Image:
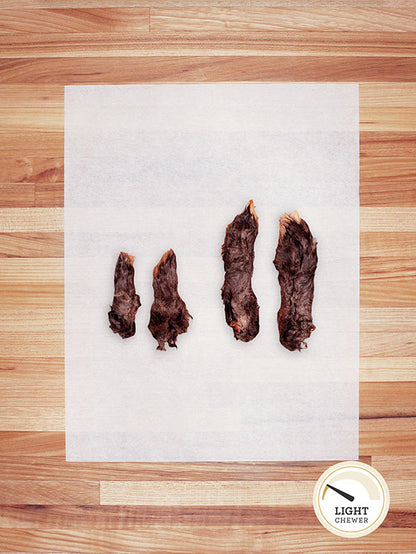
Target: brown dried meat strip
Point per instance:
(296, 260)
(168, 315)
(241, 308)
(125, 302)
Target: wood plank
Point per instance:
(31, 245)
(26, 467)
(24, 334)
(388, 118)
(27, 220)
(38, 296)
(32, 284)
(31, 143)
(402, 494)
(229, 493)
(387, 95)
(387, 320)
(32, 443)
(37, 343)
(33, 367)
(17, 195)
(34, 119)
(27, 195)
(32, 297)
(388, 400)
(159, 69)
(400, 518)
(393, 245)
(395, 468)
(32, 418)
(387, 172)
(29, 370)
(49, 492)
(49, 195)
(213, 493)
(30, 170)
(203, 540)
(44, 97)
(388, 437)
(129, 517)
(202, 19)
(35, 395)
(48, 272)
(31, 123)
(376, 219)
(381, 286)
(230, 43)
(378, 144)
(387, 369)
(380, 344)
(75, 20)
(380, 193)
(76, 4)
(27, 374)
(386, 268)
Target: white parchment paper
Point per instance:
(153, 167)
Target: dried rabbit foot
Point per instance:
(296, 260)
(168, 315)
(240, 302)
(125, 302)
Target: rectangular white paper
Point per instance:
(154, 167)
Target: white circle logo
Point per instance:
(351, 499)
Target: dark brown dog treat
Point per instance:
(168, 315)
(125, 302)
(296, 260)
(241, 308)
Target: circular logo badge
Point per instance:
(351, 499)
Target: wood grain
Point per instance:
(387, 436)
(203, 540)
(32, 443)
(387, 400)
(162, 69)
(214, 493)
(387, 368)
(281, 18)
(229, 493)
(95, 20)
(27, 516)
(401, 469)
(30, 171)
(53, 467)
(43, 4)
(31, 245)
(130, 43)
(32, 418)
(50, 505)
(49, 492)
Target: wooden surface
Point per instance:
(48, 505)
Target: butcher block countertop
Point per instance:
(48, 505)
